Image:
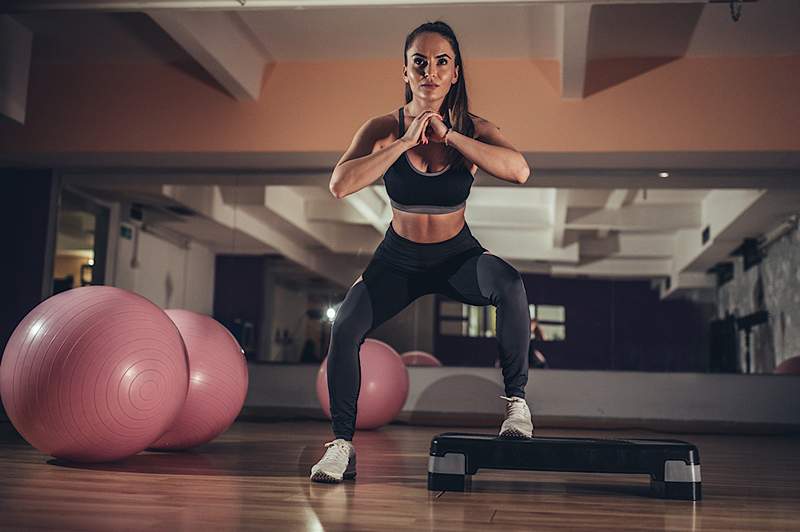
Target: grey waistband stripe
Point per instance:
(428, 209)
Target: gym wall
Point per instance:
(166, 273)
(772, 285)
(28, 233)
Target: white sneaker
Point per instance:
(338, 463)
(518, 422)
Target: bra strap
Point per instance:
(402, 123)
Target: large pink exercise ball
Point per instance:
(790, 366)
(384, 385)
(94, 374)
(419, 358)
(217, 382)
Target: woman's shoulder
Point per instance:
(479, 121)
(482, 125)
(381, 122)
(386, 127)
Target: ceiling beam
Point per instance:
(337, 237)
(659, 218)
(730, 216)
(617, 268)
(372, 207)
(560, 205)
(572, 42)
(680, 283)
(511, 217)
(616, 199)
(322, 210)
(208, 202)
(525, 244)
(721, 208)
(15, 65)
(222, 45)
(625, 245)
(244, 195)
(284, 201)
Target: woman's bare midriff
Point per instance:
(427, 228)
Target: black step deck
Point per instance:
(673, 465)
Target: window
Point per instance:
(458, 319)
(552, 321)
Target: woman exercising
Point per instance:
(427, 152)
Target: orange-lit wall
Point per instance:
(634, 105)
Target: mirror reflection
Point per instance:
(607, 298)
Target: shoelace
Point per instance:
(515, 406)
(340, 452)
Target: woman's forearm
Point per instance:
(503, 163)
(351, 176)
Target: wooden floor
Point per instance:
(256, 477)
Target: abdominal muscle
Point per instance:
(427, 228)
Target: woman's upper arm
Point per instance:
(364, 140)
(490, 134)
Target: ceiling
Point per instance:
(496, 31)
(639, 227)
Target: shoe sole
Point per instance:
(513, 434)
(321, 476)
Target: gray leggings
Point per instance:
(403, 271)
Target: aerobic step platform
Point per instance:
(673, 465)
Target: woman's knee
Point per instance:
(513, 289)
(505, 281)
(348, 329)
(352, 321)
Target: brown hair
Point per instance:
(456, 101)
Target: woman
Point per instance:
(535, 357)
(428, 152)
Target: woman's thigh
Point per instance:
(477, 279)
(462, 284)
(391, 290)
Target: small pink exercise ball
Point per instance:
(419, 358)
(790, 366)
(94, 374)
(384, 385)
(217, 382)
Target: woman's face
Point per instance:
(431, 67)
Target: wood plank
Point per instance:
(255, 476)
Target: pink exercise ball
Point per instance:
(94, 374)
(217, 382)
(419, 358)
(790, 366)
(384, 385)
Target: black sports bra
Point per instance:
(426, 192)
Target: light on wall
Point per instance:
(663, 174)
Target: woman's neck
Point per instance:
(414, 108)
